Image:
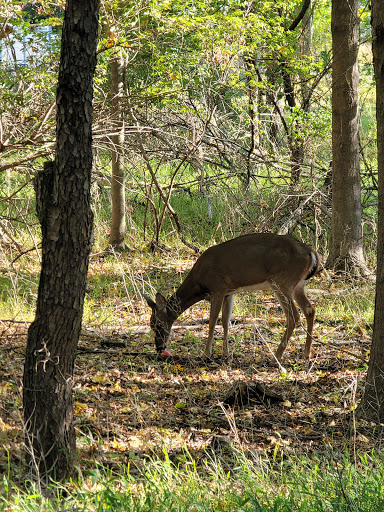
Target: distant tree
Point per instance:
(118, 224)
(63, 206)
(372, 404)
(296, 139)
(346, 249)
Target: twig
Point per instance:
(25, 252)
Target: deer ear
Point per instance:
(150, 302)
(161, 302)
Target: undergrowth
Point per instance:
(307, 485)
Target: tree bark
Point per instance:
(118, 224)
(346, 248)
(372, 404)
(63, 204)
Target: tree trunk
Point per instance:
(372, 404)
(254, 135)
(118, 224)
(295, 140)
(63, 206)
(346, 249)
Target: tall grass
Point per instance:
(319, 485)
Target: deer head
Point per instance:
(164, 313)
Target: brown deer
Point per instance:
(258, 261)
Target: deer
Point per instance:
(257, 261)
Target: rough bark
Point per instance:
(372, 404)
(346, 248)
(63, 206)
(118, 224)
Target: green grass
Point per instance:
(18, 293)
(307, 485)
(348, 302)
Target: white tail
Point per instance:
(258, 261)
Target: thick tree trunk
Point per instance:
(372, 404)
(64, 210)
(118, 224)
(346, 250)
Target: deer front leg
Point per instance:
(216, 303)
(310, 316)
(227, 314)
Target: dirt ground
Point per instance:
(130, 404)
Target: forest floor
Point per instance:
(131, 404)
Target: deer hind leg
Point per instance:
(309, 313)
(292, 316)
(227, 313)
(216, 303)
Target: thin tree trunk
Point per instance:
(295, 139)
(118, 224)
(346, 250)
(63, 204)
(372, 404)
(253, 97)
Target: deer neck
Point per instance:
(186, 295)
(174, 307)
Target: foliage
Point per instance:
(221, 99)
